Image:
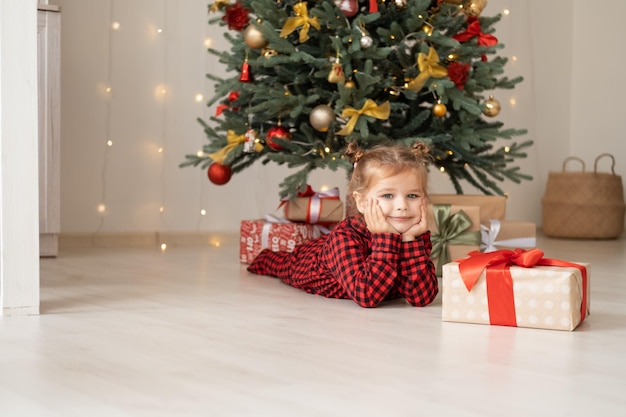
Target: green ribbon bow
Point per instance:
(452, 231)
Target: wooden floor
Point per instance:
(188, 332)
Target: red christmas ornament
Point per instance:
(348, 7)
(245, 76)
(236, 17)
(276, 132)
(219, 174)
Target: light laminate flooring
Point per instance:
(188, 332)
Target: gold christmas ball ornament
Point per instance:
(322, 117)
(440, 109)
(475, 7)
(492, 107)
(349, 84)
(254, 38)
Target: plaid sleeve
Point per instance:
(366, 274)
(418, 281)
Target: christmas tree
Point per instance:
(310, 77)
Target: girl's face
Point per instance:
(400, 197)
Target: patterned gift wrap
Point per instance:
(551, 296)
(256, 235)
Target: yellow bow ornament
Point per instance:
(218, 4)
(370, 108)
(302, 19)
(233, 140)
(429, 67)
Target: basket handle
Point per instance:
(595, 165)
(573, 158)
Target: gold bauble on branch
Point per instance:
(475, 7)
(322, 117)
(492, 107)
(440, 109)
(254, 38)
(349, 84)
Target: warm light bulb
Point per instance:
(507, 149)
(200, 154)
(506, 12)
(109, 142)
(203, 212)
(159, 31)
(513, 102)
(115, 26)
(216, 243)
(514, 58)
(199, 98)
(442, 169)
(101, 208)
(160, 150)
(161, 209)
(163, 247)
(327, 149)
(208, 42)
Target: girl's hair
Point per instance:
(383, 161)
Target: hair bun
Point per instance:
(354, 152)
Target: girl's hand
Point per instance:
(418, 228)
(375, 219)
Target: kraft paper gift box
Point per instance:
(505, 234)
(314, 207)
(455, 231)
(552, 294)
(256, 235)
(491, 206)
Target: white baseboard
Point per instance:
(145, 239)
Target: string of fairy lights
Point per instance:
(159, 33)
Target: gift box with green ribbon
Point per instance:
(455, 231)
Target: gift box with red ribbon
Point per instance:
(275, 234)
(516, 288)
(314, 207)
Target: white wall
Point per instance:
(19, 224)
(569, 96)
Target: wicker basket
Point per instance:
(584, 205)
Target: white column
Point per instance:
(19, 210)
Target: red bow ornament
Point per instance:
(473, 30)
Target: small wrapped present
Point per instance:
(455, 231)
(507, 234)
(491, 206)
(516, 288)
(275, 234)
(314, 207)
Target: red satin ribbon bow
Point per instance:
(500, 297)
(474, 30)
(232, 96)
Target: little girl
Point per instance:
(380, 253)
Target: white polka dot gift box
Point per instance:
(516, 288)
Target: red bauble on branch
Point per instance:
(219, 174)
(276, 132)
